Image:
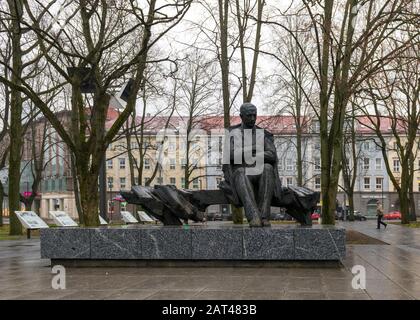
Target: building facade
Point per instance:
(160, 153)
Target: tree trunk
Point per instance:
(1, 203)
(404, 207)
(299, 156)
(351, 205)
(76, 190)
(412, 209)
(89, 200)
(16, 129)
(327, 215)
(37, 208)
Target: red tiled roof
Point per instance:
(278, 124)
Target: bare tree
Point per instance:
(394, 95)
(294, 89)
(345, 57)
(87, 40)
(350, 159)
(196, 101)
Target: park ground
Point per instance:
(391, 258)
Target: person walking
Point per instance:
(380, 214)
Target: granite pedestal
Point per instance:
(139, 244)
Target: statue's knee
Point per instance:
(268, 168)
(239, 171)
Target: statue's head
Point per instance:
(248, 113)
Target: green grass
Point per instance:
(4, 233)
(410, 225)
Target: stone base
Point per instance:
(121, 263)
(194, 243)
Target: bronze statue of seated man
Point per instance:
(253, 167)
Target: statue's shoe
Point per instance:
(256, 222)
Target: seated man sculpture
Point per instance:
(253, 182)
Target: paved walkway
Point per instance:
(392, 272)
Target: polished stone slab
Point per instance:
(65, 243)
(107, 243)
(191, 243)
(322, 243)
(211, 244)
(268, 244)
(166, 243)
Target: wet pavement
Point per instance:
(392, 272)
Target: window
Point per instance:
(196, 183)
(159, 180)
(317, 164)
(122, 183)
(378, 165)
(317, 146)
(136, 181)
(366, 183)
(121, 146)
(146, 179)
(366, 163)
(280, 164)
(172, 164)
(396, 165)
(172, 181)
(122, 163)
(289, 182)
(146, 164)
(218, 180)
(183, 163)
(366, 146)
(378, 147)
(182, 182)
(379, 183)
(109, 163)
(289, 165)
(110, 182)
(316, 126)
(171, 146)
(318, 183)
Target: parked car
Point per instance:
(277, 216)
(393, 215)
(359, 216)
